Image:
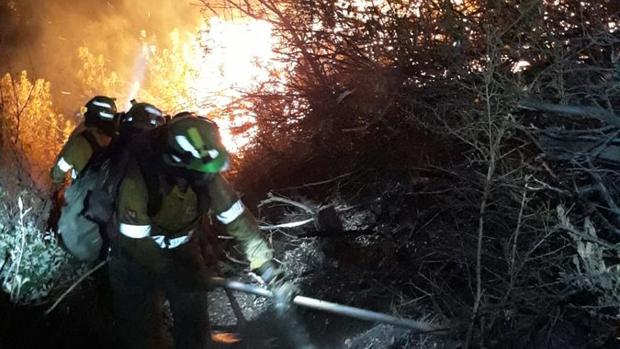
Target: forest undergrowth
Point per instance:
(456, 161)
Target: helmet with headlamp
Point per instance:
(194, 143)
(142, 116)
(100, 113)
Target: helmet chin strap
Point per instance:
(182, 183)
(200, 178)
(183, 176)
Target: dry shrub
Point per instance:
(33, 266)
(32, 133)
(596, 267)
(95, 77)
(367, 78)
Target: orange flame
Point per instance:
(225, 337)
(206, 72)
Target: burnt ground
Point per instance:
(360, 253)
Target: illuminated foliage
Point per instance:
(30, 127)
(95, 77)
(210, 73)
(168, 71)
(207, 71)
(35, 264)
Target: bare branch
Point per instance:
(576, 110)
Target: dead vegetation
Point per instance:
(497, 123)
(464, 156)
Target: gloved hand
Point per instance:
(282, 287)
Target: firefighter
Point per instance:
(140, 117)
(89, 205)
(94, 133)
(166, 194)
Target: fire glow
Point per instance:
(209, 69)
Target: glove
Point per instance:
(281, 287)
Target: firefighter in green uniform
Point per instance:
(166, 192)
(81, 238)
(94, 133)
(89, 201)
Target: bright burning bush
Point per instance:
(208, 71)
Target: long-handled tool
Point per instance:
(329, 307)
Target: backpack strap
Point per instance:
(92, 140)
(203, 197)
(157, 186)
(143, 149)
(153, 186)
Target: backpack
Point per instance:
(89, 203)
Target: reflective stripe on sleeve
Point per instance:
(135, 231)
(232, 213)
(63, 165)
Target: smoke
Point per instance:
(139, 70)
(43, 37)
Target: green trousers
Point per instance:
(138, 293)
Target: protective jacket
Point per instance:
(159, 248)
(75, 154)
(159, 242)
(150, 228)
